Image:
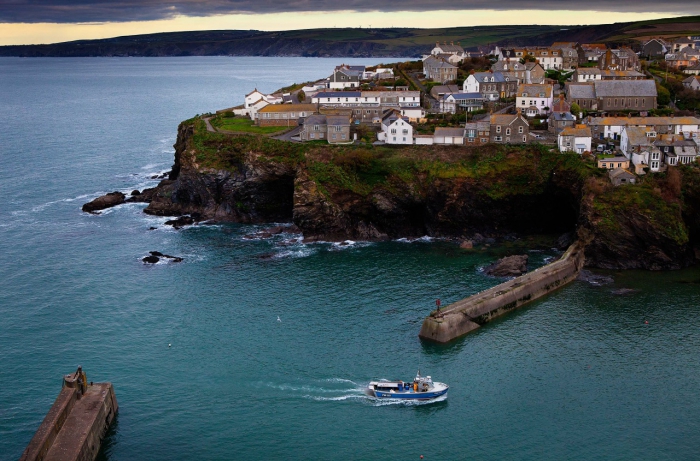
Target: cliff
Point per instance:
(372, 193)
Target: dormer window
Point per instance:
(524, 95)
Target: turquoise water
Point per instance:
(578, 375)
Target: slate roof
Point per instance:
(625, 88)
(588, 71)
(338, 94)
(563, 116)
(504, 119)
(500, 66)
(498, 77)
(450, 48)
(315, 120)
(463, 96)
(620, 172)
(338, 120)
(535, 91)
(621, 73)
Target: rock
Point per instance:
(264, 235)
(152, 228)
(180, 222)
(157, 253)
(466, 245)
(594, 279)
(477, 238)
(266, 256)
(509, 266)
(157, 256)
(145, 196)
(275, 230)
(565, 241)
(106, 201)
(489, 241)
(151, 259)
(175, 259)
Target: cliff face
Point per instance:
(336, 193)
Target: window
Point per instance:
(394, 138)
(404, 138)
(524, 138)
(312, 135)
(655, 156)
(498, 128)
(405, 131)
(604, 165)
(507, 131)
(393, 131)
(321, 135)
(338, 128)
(334, 135)
(654, 165)
(497, 138)
(520, 129)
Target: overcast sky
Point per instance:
(47, 21)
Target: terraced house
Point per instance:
(492, 85)
(508, 129)
(534, 100)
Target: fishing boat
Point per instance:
(421, 388)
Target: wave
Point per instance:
(425, 238)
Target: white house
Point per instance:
(611, 127)
(256, 100)
(414, 114)
(534, 100)
(587, 74)
(396, 129)
(575, 139)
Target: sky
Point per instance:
(51, 21)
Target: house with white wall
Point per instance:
(395, 129)
(575, 139)
(533, 100)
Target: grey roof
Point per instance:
(450, 48)
(500, 66)
(338, 94)
(463, 96)
(588, 71)
(338, 120)
(563, 117)
(315, 120)
(498, 77)
(617, 172)
(582, 91)
(437, 63)
(447, 131)
(625, 88)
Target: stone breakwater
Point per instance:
(467, 315)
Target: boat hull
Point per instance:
(410, 395)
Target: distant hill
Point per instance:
(390, 42)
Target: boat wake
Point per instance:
(341, 390)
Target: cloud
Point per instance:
(85, 11)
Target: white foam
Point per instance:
(425, 238)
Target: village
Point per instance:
(632, 109)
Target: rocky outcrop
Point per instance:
(106, 201)
(510, 266)
(347, 193)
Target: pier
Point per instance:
(467, 315)
(77, 422)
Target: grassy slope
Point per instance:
(386, 42)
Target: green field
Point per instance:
(244, 125)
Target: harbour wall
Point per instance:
(467, 315)
(75, 425)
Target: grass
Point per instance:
(244, 125)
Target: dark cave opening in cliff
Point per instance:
(277, 199)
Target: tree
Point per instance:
(400, 82)
(575, 109)
(301, 96)
(664, 96)
(529, 58)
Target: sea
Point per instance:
(259, 349)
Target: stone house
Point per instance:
(517, 72)
(508, 128)
(492, 85)
(534, 100)
(582, 94)
(620, 176)
(438, 91)
(591, 52)
(619, 59)
(338, 129)
(569, 54)
(477, 133)
(315, 128)
(559, 120)
(626, 95)
(439, 70)
(284, 114)
(621, 75)
(575, 139)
